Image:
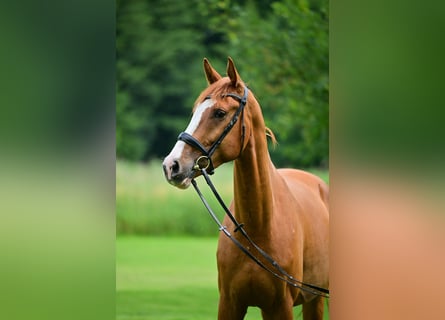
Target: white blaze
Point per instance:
(176, 152)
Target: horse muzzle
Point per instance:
(177, 173)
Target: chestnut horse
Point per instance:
(284, 211)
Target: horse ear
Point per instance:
(232, 72)
(211, 74)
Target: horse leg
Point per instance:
(313, 310)
(230, 310)
(283, 312)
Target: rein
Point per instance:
(280, 273)
(203, 163)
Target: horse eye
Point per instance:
(219, 114)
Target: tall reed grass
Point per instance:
(147, 204)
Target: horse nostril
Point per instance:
(175, 167)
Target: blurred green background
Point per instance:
(147, 205)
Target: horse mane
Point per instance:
(271, 135)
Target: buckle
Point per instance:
(203, 162)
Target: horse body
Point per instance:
(284, 211)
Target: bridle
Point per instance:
(203, 163)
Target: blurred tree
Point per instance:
(160, 45)
(280, 48)
(282, 52)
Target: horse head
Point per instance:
(218, 130)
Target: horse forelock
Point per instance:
(218, 89)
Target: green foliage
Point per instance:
(283, 55)
(156, 41)
(279, 47)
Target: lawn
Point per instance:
(168, 278)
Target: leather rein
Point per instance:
(205, 162)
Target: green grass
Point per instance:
(166, 278)
(147, 205)
(173, 278)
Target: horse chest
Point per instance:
(245, 280)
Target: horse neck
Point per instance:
(253, 174)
